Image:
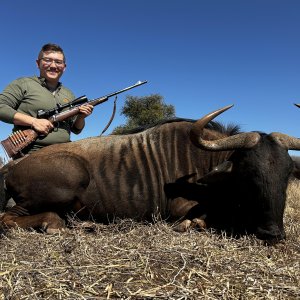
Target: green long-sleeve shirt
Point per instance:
(27, 95)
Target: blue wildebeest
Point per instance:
(180, 169)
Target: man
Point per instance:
(22, 98)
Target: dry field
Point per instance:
(129, 260)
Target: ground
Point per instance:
(128, 260)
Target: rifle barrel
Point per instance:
(126, 89)
(105, 98)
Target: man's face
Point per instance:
(51, 66)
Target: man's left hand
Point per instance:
(85, 110)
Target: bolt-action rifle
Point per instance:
(20, 139)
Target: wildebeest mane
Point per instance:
(229, 129)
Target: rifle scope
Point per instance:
(48, 113)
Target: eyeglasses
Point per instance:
(48, 61)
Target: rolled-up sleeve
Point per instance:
(9, 101)
(74, 129)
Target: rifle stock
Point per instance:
(16, 142)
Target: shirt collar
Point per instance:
(42, 80)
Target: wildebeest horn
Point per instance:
(241, 140)
(286, 141)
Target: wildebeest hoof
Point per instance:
(183, 226)
(88, 226)
(53, 224)
(54, 230)
(198, 223)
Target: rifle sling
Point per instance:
(112, 116)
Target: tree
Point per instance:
(144, 111)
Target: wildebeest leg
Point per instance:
(194, 223)
(4, 196)
(18, 217)
(192, 213)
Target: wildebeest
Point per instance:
(178, 169)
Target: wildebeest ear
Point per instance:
(218, 173)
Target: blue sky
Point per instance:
(199, 55)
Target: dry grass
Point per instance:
(129, 260)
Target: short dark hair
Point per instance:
(49, 48)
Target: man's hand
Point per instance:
(42, 126)
(85, 110)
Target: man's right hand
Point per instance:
(42, 126)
